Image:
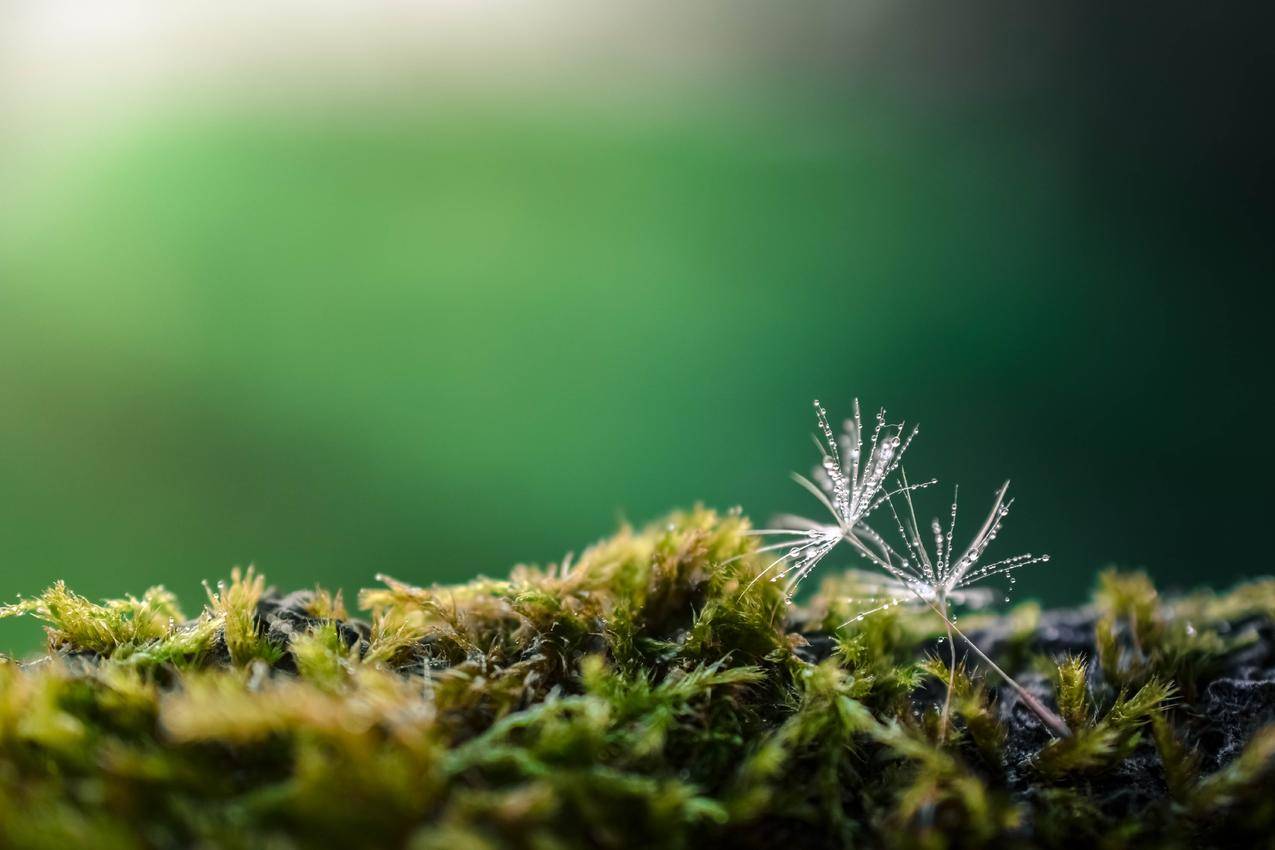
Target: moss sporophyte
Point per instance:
(660, 690)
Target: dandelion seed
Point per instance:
(936, 578)
(850, 485)
(939, 577)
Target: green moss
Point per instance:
(114, 628)
(647, 694)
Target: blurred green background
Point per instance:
(439, 321)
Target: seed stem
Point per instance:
(1052, 721)
(951, 671)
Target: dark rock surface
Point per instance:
(1231, 710)
(283, 616)
(1234, 702)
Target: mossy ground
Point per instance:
(636, 697)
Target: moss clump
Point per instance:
(638, 697)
